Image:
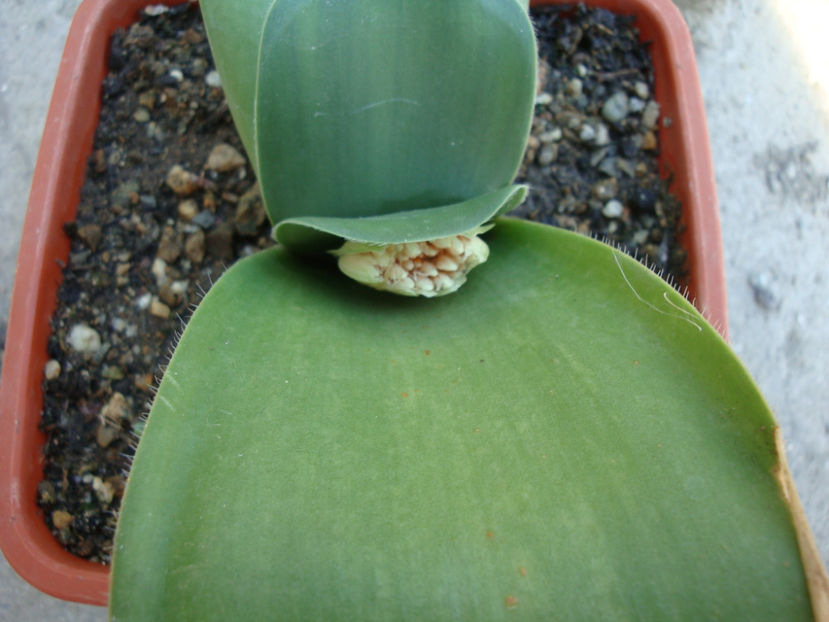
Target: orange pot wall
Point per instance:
(59, 172)
(67, 142)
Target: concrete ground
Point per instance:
(766, 89)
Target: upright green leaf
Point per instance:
(565, 439)
(373, 107)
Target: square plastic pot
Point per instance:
(67, 143)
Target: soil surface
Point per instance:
(170, 201)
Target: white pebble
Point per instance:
(587, 133)
(613, 209)
(84, 339)
(636, 104)
(650, 115)
(616, 107)
(602, 135)
(51, 370)
(641, 89)
(212, 79)
(159, 270)
(542, 99)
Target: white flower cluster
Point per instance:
(432, 268)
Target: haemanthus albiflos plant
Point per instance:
(565, 437)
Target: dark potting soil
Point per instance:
(170, 201)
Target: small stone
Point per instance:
(188, 209)
(605, 189)
(106, 434)
(159, 271)
(159, 309)
(176, 74)
(649, 142)
(61, 519)
(112, 372)
(103, 490)
(194, 247)
(219, 242)
(552, 136)
(574, 87)
(173, 294)
(143, 301)
(84, 339)
(155, 131)
(608, 167)
(168, 247)
(198, 67)
(182, 181)
(641, 89)
(547, 155)
(141, 114)
(650, 115)
(613, 209)
(204, 219)
(90, 235)
(640, 237)
(250, 212)
(636, 104)
(587, 133)
(581, 70)
(147, 100)
(99, 161)
(192, 36)
(602, 135)
(116, 408)
(46, 492)
(616, 107)
(223, 158)
(542, 99)
(51, 370)
(119, 325)
(624, 166)
(598, 156)
(212, 79)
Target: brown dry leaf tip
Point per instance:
(431, 268)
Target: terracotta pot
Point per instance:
(67, 142)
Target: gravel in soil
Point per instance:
(170, 201)
(592, 157)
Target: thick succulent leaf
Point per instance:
(564, 439)
(234, 30)
(370, 107)
(314, 234)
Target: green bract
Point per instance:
(377, 107)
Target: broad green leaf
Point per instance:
(314, 234)
(565, 439)
(234, 30)
(374, 107)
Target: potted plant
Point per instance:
(624, 274)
